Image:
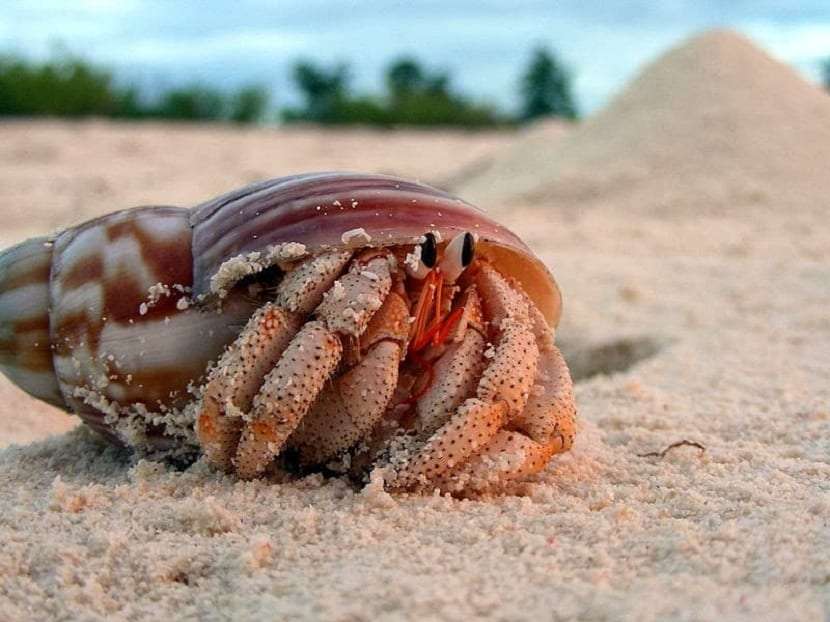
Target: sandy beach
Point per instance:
(695, 310)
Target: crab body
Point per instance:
(341, 320)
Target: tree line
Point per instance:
(413, 95)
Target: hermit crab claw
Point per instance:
(331, 320)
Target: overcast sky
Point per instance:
(484, 43)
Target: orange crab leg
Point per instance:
(440, 328)
(438, 334)
(447, 325)
(423, 340)
(439, 292)
(423, 306)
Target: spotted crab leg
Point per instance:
(501, 393)
(237, 377)
(550, 415)
(310, 358)
(348, 408)
(457, 371)
(544, 428)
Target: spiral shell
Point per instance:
(80, 330)
(114, 313)
(25, 342)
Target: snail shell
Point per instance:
(25, 343)
(317, 209)
(114, 313)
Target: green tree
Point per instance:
(323, 90)
(418, 96)
(546, 88)
(129, 105)
(414, 96)
(67, 86)
(64, 86)
(192, 103)
(249, 105)
(825, 73)
(405, 77)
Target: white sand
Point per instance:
(55, 174)
(733, 309)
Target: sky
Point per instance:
(483, 43)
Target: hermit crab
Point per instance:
(332, 321)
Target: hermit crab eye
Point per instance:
(458, 255)
(423, 258)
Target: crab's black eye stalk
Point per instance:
(423, 258)
(429, 250)
(468, 249)
(459, 254)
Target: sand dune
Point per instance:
(710, 329)
(714, 126)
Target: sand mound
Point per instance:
(515, 167)
(712, 125)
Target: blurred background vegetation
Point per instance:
(414, 95)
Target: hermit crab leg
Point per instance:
(456, 372)
(510, 374)
(543, 429)
(510, 455)
(501, 392)
(304, 287)
(550, 415)
(312, 356)
(348, 408)
(285, 396)
(238, 376)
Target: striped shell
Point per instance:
(117, 313)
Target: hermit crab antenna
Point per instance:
(423, 257)
(457, 256)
